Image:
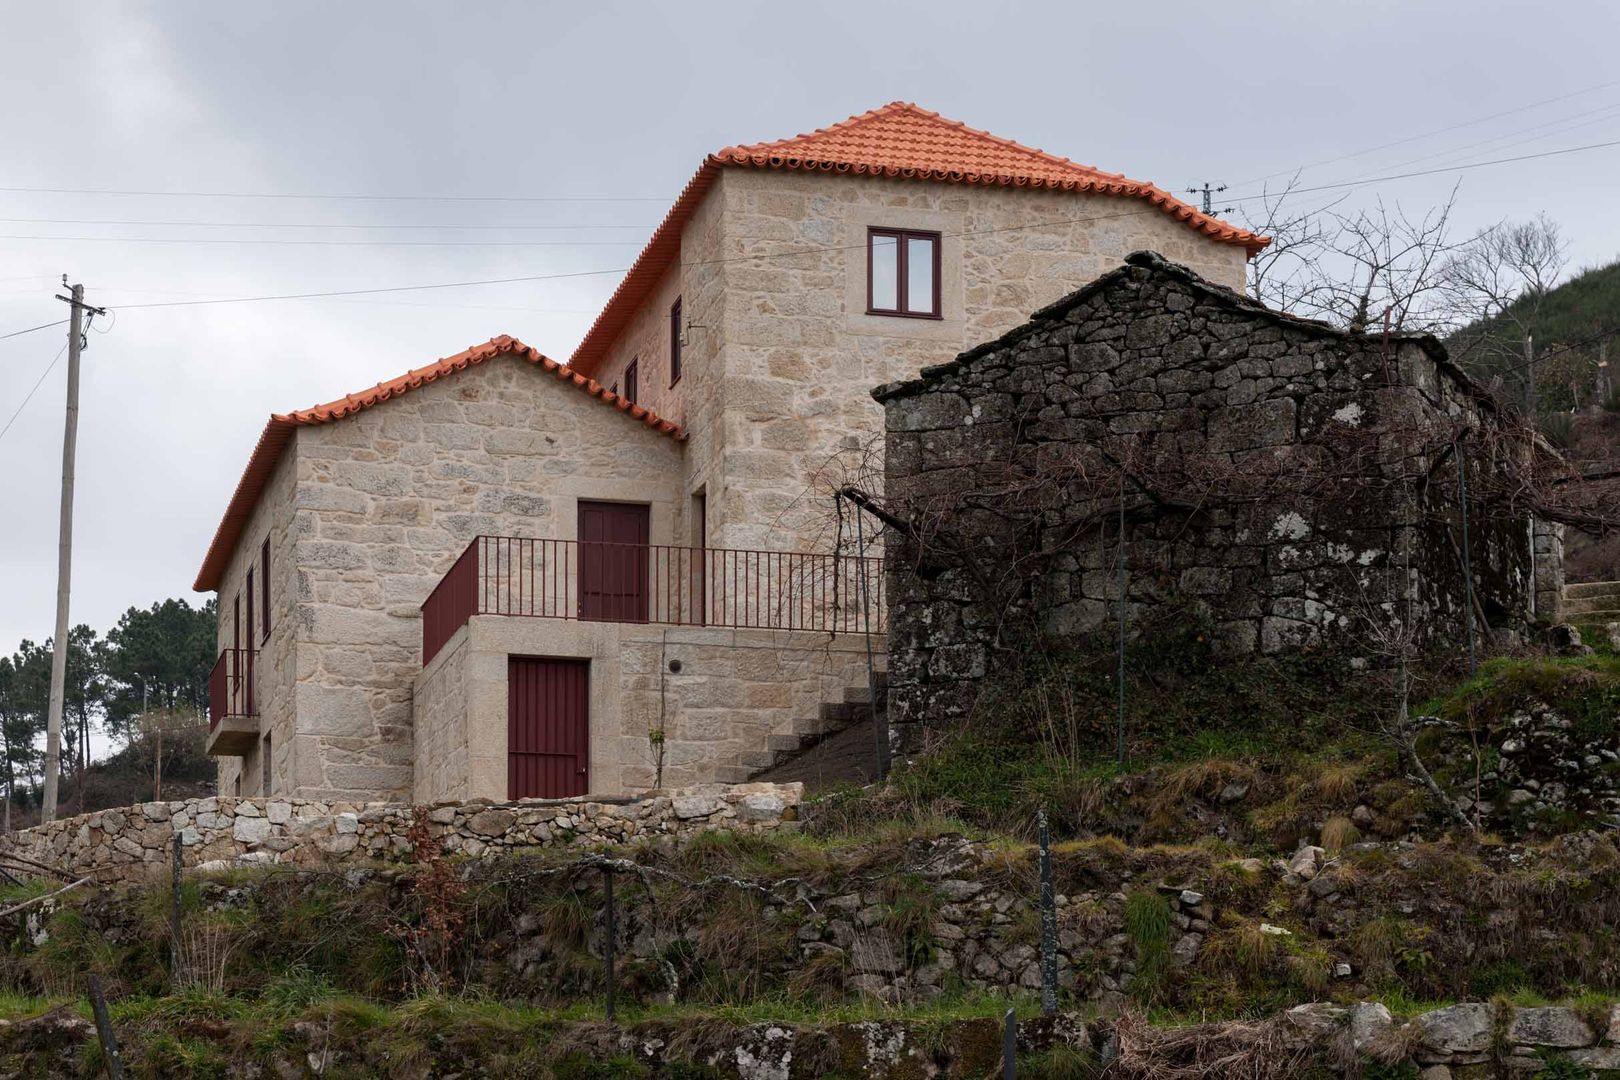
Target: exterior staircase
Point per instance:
(835, 745)
(1592, 602)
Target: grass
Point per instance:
(1583, 689)
(1044, 735)
(1147, 924)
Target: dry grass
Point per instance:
(202, 955)
(1339, 832)
(1335, 784)
(1273, 1049)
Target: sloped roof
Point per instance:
(898, 140)
(1154, 263)
(278, 431)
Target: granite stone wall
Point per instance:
(378, 507)
(1283, 480)
(798, 353)
(136, 842)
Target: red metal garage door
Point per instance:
(613, 562)
(547, 727)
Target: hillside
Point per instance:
(1578, 401)
(1263, 890)
(1569, 325)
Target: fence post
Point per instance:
(1120, 749)
(1009, 1046)
(1049, 972)
(607, 948)
(174, 915)
(104, 1028)
(880, 720)
(1468, 558)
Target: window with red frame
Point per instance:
(902, 273)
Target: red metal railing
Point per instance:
(230, 686)
(654, 583)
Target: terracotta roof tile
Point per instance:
(898, 140)
(279, 430)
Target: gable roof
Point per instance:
(278, 431)
(898, 140)
(1155, 264)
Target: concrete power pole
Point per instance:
(64, 566)
(1530, 377)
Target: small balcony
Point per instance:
(661, 584)
(233, 712)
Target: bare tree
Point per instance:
(1496, 284)
(1353, 269)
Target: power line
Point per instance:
(800, 252)
(505, 226)
(37, 384)
(31, 329)
(371, 292)
(337, 197)
(1559, 126)
(795, 253)
(1436, 131)
(1430, 172)
(329, 243)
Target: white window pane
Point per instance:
(920, 275)
(885, 273)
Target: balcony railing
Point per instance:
(654, 583)
(230, 686)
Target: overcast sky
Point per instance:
(618, 103)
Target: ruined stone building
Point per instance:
(500, 575)
(1287, 482)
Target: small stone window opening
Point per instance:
(902, 273)
(264, 589)
(675, 342)
(632, 376)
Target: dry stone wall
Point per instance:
(136, 842)
(1319, 1039)
(1202, 393)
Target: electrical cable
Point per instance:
(801, 252)
(340, 198)
(1430, 134)
(31, 329)
(329, 243)
(1430, 172)
(37, 384)
(504, 226)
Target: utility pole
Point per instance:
(1604, 388)
(1530, 377)
(64, 566)
(1209, 194)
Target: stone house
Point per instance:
(501, 575)
(1290, 483)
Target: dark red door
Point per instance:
(613, 562)
(548, 723)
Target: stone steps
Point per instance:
(1589, 589)
(1592, 602)
(832, 718)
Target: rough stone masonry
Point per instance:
(1286, 481)
(134, 843)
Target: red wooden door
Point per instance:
(547, 727)
(613, 562)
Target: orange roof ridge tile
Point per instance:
(279, 429)
(902, 140)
